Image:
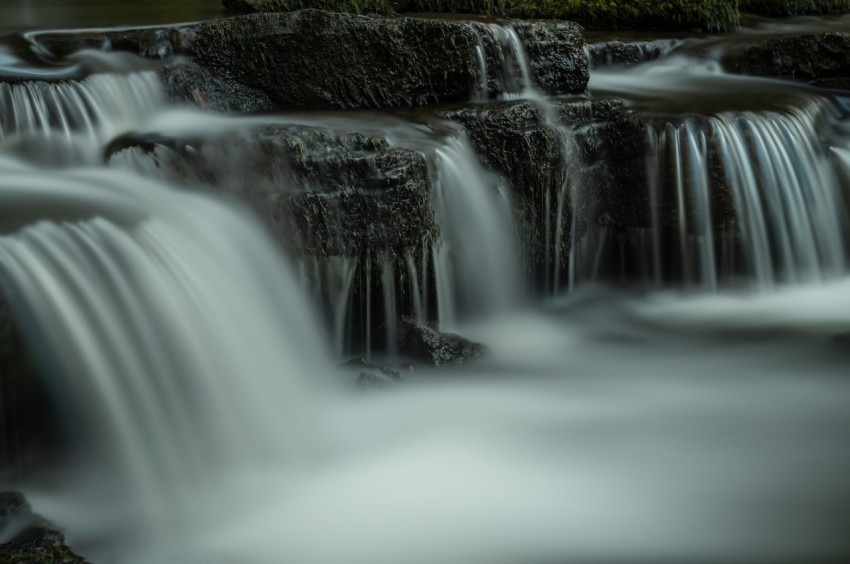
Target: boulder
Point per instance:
(440, 349)
(807, 57)
(314, 59)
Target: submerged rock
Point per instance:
(29, 539)
(803, 57)
(440, 349)
(362, 363)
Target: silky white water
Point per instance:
(210, 425)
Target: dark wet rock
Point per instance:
(362, 363)
(29, 539)
(803, 57)
(440, 349)
(627, 52)
(314, 59)
(327, 193)
(345, 6)
(556, 58)
(188, 82)
(783, 8)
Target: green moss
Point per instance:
(658, 14)
(341, 6)
(795, 7)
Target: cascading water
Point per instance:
(601, 426)
(754, 194)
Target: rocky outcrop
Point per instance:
(26, 538)
(439, 349)
(313, 59)
(803, 57)
(327, 193)
(344, 6)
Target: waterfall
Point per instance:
(66, 122)
(777, 174)
(170, 326)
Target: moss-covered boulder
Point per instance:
(314, 59)
(621, 14)
(780, 8)
(803, 57)
(345, 6)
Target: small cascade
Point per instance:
(475, 260)
(775, 173)
(510, 78)
(74, 117)
(561, 202)
(170, 327)
(682, 153)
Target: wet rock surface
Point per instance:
(26, 538)
(189, 83)
(627, 52)
(556, 58)
(369, 367)
(327, 193)
(802, 57)
(439, 349)
(314, 59)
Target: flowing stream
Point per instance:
(700, 412)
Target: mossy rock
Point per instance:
(779, 8)
(621, 14)
(341, 6)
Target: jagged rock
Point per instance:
(440, 349)
(313, 59)
(29, 539)
(188, 82)
(327, 193)
(804, 57)
(345, 6)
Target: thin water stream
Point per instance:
(703, 419)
